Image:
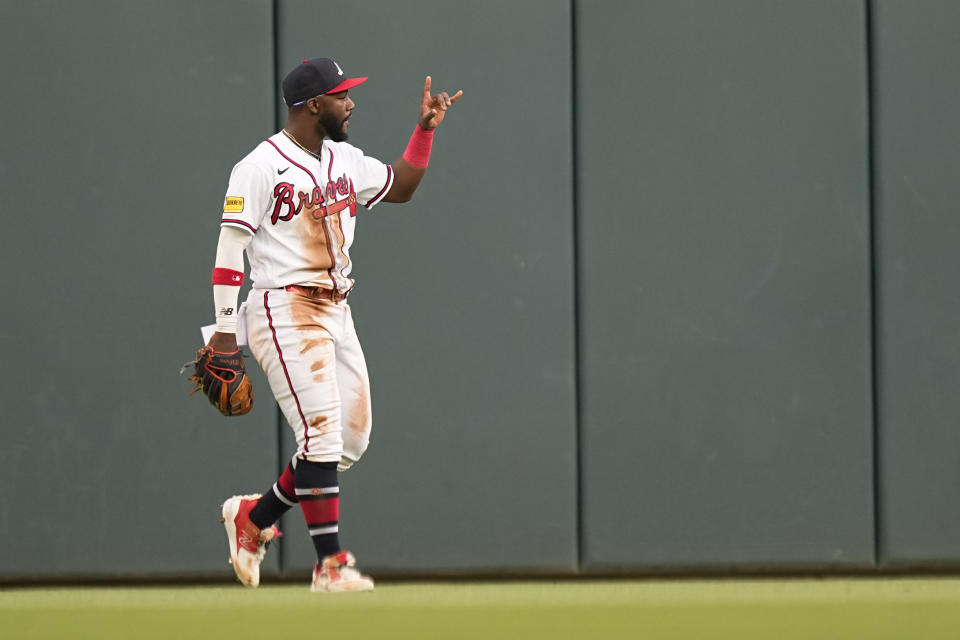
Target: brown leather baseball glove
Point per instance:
(223, 379)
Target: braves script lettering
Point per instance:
(284, 208)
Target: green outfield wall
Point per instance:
(118, 115)
(676, 295)
(917, 231)
(724, 280)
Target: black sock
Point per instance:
(275, 502)
(318, 492)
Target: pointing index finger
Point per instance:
(426, 87)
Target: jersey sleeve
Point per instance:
(375, 180)
(248, 197)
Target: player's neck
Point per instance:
(305, 137)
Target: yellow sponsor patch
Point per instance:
(233, 205)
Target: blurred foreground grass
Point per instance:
(927, 609)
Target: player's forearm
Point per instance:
(410, 169)
(227, 278)
(406, 179)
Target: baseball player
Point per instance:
(291, 204)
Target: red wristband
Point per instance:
(227, 276)
(418, 149)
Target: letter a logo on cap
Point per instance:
(339, 70)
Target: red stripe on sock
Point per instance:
(317, 511)
(285, 482)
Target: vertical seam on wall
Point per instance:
(577, 356)
(280, 462)
(872, 229)
(274, 87)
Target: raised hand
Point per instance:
(433, 108)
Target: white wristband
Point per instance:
(225, 301)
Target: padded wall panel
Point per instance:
(464, 296)
(917, 97)
(725, 285)
(121, 123)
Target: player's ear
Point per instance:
(314, 105)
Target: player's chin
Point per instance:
(338, 136)
(342, 134)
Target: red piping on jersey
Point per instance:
(296, 164)
(341, 236)
(266, 305)
(326, 233)
(375, 199)
(240, 222)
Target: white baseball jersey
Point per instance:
(301, 209)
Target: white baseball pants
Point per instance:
(311, 355)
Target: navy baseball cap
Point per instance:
(315, 77)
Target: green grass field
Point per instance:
(921, 609)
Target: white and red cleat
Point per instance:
(338, 573)
(247, 542)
